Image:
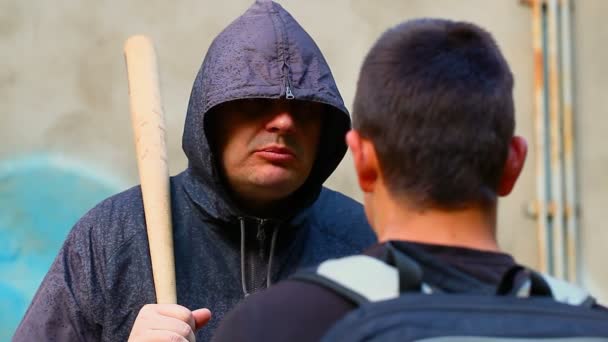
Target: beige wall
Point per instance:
(592, 125)
(63, 85)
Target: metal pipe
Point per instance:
(557, 193)
(572, 231)
(539, 124)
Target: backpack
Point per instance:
(394, 304)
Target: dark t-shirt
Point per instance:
(301, 311)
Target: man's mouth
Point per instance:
(276, 153)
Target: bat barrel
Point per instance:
(150, 144)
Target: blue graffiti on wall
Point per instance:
(41, 197)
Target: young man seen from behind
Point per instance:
(434, 147)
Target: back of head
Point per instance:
(435, 98)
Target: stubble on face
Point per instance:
(268, 147)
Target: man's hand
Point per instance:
(167, 322)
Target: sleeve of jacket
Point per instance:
(68, 305)
(287, 311)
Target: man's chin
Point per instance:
(274, 175)
(275, 182)
(276, 188)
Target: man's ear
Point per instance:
(366, 162)
(518, 149)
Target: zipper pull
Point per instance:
(288, 94)
(261, 235)
(287, 73)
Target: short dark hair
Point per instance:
(435, 97)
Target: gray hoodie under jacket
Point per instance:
(102, 275)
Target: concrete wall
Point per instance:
(591, 106)
(63, 86)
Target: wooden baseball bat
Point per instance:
(149, 131)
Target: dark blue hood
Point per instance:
(264, 53)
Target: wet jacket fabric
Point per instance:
(102, 275)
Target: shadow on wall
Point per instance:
(41, 197)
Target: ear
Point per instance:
(518, 149)
(366, 163)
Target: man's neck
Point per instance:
(473, 227)
(264, 209)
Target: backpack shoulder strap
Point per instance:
(523, 282)
(359, 278)
(567, 293)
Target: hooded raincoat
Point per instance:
(102, 275)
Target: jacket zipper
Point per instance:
(280, 25)
(259, 252)
(287, 71)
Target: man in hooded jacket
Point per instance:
(231, 237)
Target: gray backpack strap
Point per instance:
(359, 278)
(542, 284)
(567, 293)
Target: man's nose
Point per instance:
(281, 123)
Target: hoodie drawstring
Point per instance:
(273, 242)
(243, 257)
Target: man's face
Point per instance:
(267, 147)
